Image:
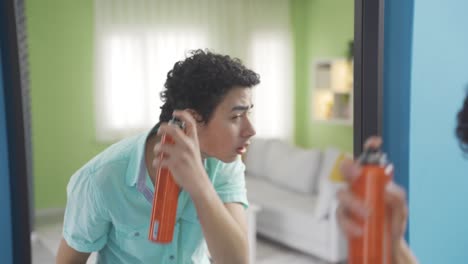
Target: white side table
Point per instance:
(252, 230)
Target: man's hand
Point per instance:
(350, 206)
(183, 158)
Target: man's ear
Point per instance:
(198, 118)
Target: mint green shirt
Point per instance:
(109, 204)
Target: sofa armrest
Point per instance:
(327, 198)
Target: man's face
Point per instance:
(227, 133)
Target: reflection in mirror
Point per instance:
(97, 70)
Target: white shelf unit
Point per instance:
(332, 91)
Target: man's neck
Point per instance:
(151, 141)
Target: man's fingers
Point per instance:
(373, 142)
(396, 201)
(162, 152)
(396, 198)
(351, 204)
(349, 227)
(190, 123)
(173, 131)
(350, 169)
(395, 193)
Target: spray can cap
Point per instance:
(176, 121)
(374, 156)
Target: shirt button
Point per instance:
(136, 234)
(171, 257)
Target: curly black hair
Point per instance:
(201, 81)
(462, 126)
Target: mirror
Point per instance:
(129, 47)
(62, 60)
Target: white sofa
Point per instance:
(294, 189)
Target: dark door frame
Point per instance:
(368, 70)
(368, 99)
(15, 83)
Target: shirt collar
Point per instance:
(137, 164)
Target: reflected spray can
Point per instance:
(166, 193)
(374, 246)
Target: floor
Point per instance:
(45, 242)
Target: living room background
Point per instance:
(61, 56)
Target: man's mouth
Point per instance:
(241, 150)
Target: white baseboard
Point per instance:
(48, 216)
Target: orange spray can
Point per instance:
(374, 246)
(166, 193)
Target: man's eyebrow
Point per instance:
(241, 108)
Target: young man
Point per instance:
(110, 198)
(462, 126)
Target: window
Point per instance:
(133, 69)
(137, 43)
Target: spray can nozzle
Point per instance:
(373, 155)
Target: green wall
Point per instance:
(60, 35)
(322, 29)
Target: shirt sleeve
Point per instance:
(229, 182)
(86, 224)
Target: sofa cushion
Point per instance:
(255, 157)
(272, 197)
(289, 218)
(291, 167)
(328, 180)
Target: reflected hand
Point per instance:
(183, 158)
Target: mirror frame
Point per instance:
(368, 70)
(14, 60)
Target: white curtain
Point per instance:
(138, 41)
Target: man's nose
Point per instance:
(249, 130)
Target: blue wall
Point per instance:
(438, 177)
(6, 250)
(397, 91)
(397, 82)
(425, 79)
